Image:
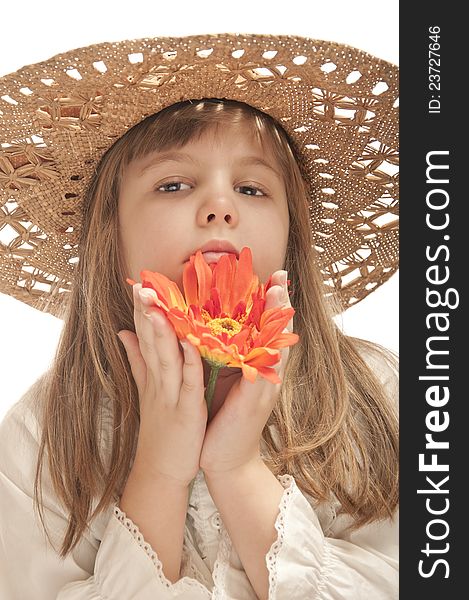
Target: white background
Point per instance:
(33, 31)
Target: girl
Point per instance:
(295, 485)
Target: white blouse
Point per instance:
(312, 558)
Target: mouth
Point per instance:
(213, 257)
(213, 250)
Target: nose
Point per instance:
(216, 216)
(218, 207)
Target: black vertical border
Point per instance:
(420, 133)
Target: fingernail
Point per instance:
(146, 296)
(283, 278)
(185, 345)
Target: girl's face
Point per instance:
(221, 186)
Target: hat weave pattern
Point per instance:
(338, 104)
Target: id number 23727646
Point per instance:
(434, 74)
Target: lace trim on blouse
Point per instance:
(181, 584)
(221, 565)
(288, 483)
(138, 537)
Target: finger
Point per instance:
(138, 310)
(159, 345)
(282, 364)
(137, 363)
(141, 326)
(277, 296)
(280, 280)
(274, 297)
(283, 298)
(259, 395)
(164, 357)
(192, 387)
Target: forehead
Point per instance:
(235, 145)
(238, 140)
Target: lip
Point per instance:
(211, 249)
(211, 257)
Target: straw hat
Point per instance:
(338, 104)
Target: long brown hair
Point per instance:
(337, 428)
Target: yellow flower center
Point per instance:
(226, 325)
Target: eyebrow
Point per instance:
(172, 156)
(257, 161)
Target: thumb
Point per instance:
(137, 363)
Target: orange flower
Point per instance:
(222, 313)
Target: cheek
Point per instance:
(268, 238)
(143, 240)
(265, 268)
(275, 232)
(268, 258)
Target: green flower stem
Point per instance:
(211, 386)
(210, 390)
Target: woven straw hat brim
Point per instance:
(337, 103)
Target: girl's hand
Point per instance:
(170, 383)
(233, 435)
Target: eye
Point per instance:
(172, 186)
(250, 190)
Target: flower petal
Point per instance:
(214, 305)
(239, 310)
(262, 357)
(256, 310)
(249, 372)
(273, 322)
(269, 374)
(223, 275)
(182, 323)
(210, 351)
(189, 282)
(244, 282)
(240, 339)
(204, 278)
(284, 339)
(274, 314)
(165, 289)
